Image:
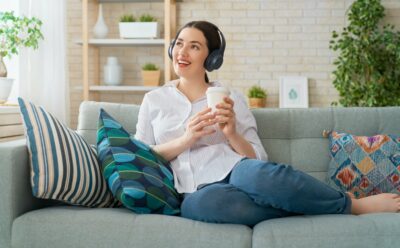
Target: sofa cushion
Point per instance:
(364, 165)
(335, 230)
(118, 227)
(138, 177)
(63, 166)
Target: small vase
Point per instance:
(3, 68)
(5, 88)
(112, 72)
(100, 29)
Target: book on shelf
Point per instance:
(10, 122)
(10, 119)
(11, 130)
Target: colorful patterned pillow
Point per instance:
(63, 166)
(364, 165)
(137, 176)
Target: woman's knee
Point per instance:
(252, 174)
(203, 204)
(222, 203)
(250, 170)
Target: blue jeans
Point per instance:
(256, 190)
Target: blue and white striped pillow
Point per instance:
(63, 166)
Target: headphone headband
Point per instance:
(214, 59)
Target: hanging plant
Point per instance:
(368, 66)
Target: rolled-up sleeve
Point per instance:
(144, 129)
(247, 126)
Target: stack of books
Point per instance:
(11, 126)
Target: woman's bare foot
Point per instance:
(384, 202)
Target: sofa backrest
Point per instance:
(89, 111)
(291, 136)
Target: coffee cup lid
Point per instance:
(217, 89)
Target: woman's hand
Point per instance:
(226, 118)
(197, 126)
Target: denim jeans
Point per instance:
(256, 190)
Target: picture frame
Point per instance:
(293, 92)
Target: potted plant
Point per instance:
(151, 74)
(367, 68)
(146, 27)
(257, 97)
(15, 32)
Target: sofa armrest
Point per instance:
(15, 190)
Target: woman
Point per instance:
(218, 160)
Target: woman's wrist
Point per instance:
(184, 142)
(234, 136)
(241, 145)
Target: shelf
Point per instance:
(124, 42)
(131, 1)
(128, 1)
(121, 88)
(91, 48)
(9, 109)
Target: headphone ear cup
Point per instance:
(170, 48)
(214, 60)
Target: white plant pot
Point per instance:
(5, 88)
(131, 30)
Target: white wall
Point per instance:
(266, 39)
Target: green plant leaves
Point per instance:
(367, 68)
(256, 92)
(16, 32)
(149, 67)
(142, 18)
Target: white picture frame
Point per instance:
(293, 92)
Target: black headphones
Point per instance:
(214, 60)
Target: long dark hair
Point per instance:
(210, 32)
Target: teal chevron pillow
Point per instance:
(63, 166)
(364, 165)
(137, 176)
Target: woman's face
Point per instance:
(189, 53)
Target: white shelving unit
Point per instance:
(122, 88)
(11, 126)
(90, 90)
(124, 42)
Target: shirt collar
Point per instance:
(174, 83)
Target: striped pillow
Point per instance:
(63, 166)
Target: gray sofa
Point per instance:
(289, 135)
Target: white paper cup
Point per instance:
(216, 95)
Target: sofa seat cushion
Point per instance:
(369, 230)
(70, 226)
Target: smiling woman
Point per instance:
(207, 40)
(219, 163)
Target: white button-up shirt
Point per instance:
(163, 116)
